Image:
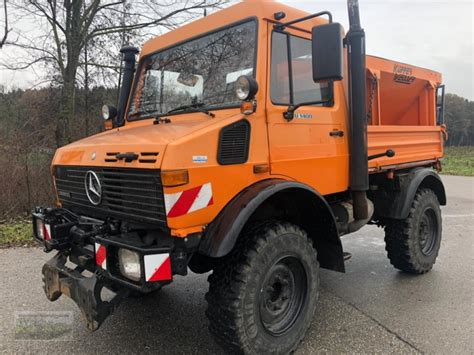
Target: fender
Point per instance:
(222, 233)
(401, 200)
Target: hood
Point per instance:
(145, 139)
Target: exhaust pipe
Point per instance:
(359, 178)
(129, 53)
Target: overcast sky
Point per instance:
(434, 34)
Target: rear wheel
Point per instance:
(263, 295)
(413, 243)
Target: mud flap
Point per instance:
(85, 291)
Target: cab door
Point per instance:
(313, 146)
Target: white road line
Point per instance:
(458, 215)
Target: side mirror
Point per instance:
(327, 52)
(109, 114)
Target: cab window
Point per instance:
(291, 80)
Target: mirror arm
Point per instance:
(281, 26)
(289, 114)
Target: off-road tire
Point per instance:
(405, 240)
(242, 289)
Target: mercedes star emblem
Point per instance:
(93, 188)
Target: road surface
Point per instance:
(372, 308)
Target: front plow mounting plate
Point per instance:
(85, 291)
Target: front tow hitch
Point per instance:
(85, 291)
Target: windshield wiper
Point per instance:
(197, 107)
(185, 107)
(144, 113)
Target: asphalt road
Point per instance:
(372, 308)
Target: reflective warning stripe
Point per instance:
(46, 231)
(184, 202)
(101, 256)
(157, 267)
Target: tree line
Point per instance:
(459, 119)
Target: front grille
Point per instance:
(128, 194)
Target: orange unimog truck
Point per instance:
(247, 143)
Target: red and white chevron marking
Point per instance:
(157, 267)
(101, 256)
(187, 201)
(46, 231)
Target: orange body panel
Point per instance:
(403, 113)
(411, 144)
(303, 150)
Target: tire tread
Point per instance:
(398, 234)
(225, 283)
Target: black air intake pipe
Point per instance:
(359, 178)
(129, 53)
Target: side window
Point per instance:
(300, 88)
(279, 83)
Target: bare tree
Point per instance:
(4, 38)
(71, 26)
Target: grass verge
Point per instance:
(458, 161)
(16, 234)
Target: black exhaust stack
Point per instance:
(359, 178)
(129, 54)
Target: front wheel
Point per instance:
(413, 243)
(262, 297)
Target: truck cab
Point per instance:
(227, 153)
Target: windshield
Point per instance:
(200, 72)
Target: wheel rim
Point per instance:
(428, 231)
(282, 295)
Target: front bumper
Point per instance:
(96, 250)
(93, 247)
(85, 291)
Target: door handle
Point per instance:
(336, 133)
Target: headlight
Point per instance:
(108, 112)
(130, 264)
(245, 87)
